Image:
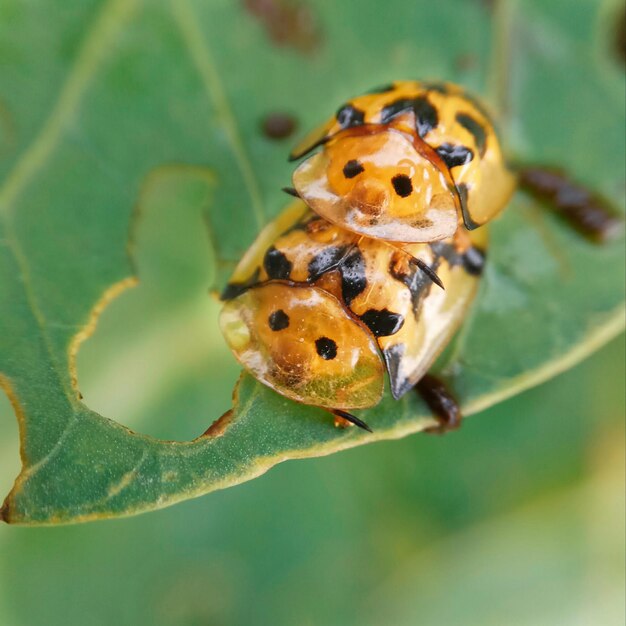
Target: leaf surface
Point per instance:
(121, 111)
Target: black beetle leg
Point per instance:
(342, 418)
(588, 212)
(441, 402)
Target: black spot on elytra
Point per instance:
(426, 117)
(442, 250)
(476, 129)
(352, 168)
(395, 108)
(402, 185)
(382, 322)
(349, 116)
(454, 155)
(326, 348)
(353, 280)
(278, 320)
(232, 290)
(276, 264)
(324, 261)
(474, 261)
(393, 358)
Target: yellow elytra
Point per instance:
(407, 163)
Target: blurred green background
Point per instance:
(516, 519)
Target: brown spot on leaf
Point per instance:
(466, 62)
(219, 426)
(287, 22)
(278, 125)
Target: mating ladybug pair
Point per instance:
(374, 267)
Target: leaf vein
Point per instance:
(202, 56)
(113, 16)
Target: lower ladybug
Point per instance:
(319, 314)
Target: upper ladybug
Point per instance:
(408, 162)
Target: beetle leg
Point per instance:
(343, 419)
(589, 213)
(441, 402)
(290, 191)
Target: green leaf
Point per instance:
(126, 113)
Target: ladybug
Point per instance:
(437, 165)
(319, 313)
(373, 268)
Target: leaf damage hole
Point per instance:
(161, 339)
